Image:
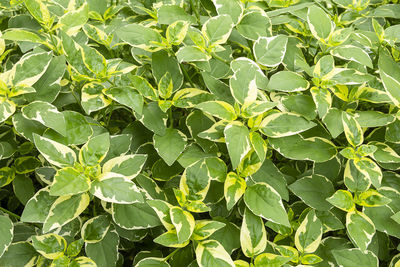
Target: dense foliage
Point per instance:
(210, 133)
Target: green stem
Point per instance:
(214, 55)
(109, 115)
(187, 76)
(10, 213)
(171, 121)
(171, 254)
(195, 9)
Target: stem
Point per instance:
(171, 254)
(214, 55)
(171, 121)
(195, 10)
(10, 213)
(187, 76)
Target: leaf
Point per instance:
(204, 229)
(95, 150)
(352, 130)
(152, 262)
(313, 190)
(191, 54)
(210, 253)
(153, 118)
(116, 188)
(92, 98)
(72, 21)
(269, 259)
(21, 35)
(64, 210)
(19, 254)
(264, 201)
(354, 53)
(105, 252)
(232, 8)
(95, 229)
(38, 10)
(237, 140)
(139, 36)
(320, 23)
(316, 149)
(145, 216)
(360, 229)
(254, 24)
(243, 85)
(270, 51)
(184, 223)
(7, 233)
(284, 124)
(55, 153)
(253, 237)
(219, 109)
(389, 73)
(38, 207)
(46, 114)
(69, 181)
(195, 180)
(234, 188)
(126, 96)
(51, 246)
(354, 256)
(28, 70)
(287, 81)
(217, 29)
(343, 200)
(7, 109)
(308, 235)
(128, 165)
(170, 145)
(168, 14)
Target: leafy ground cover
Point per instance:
(204, 133)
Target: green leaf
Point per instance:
(360, 229)
(263, 200)
(7, 108)
(372, 198)
(354, 53)
(313, 190)
(55, 153)
(253, 237)
(19, 254)
(145, 216)
(7, 233)
(144, 88)
(129, 165)
(234, 188)
(270, 51)
(219, 109)
(211, 253)
(152, 262)
(126, 96)
(184, 223)
(254, 24)
(51, 246)
(352, 130)
(95, 229)
(191, 54)
(195, 180)
(237, 140)
(287, 81)
(204, 229)
(168, 14)
(38, 10)
(38, 207)
(281, 124)
(243, 85)
(95, 150)
(92, 98)
(139, 36)
(389, 73)
(269, 259)
(72, 21)
(217, 29)
(316, 149)
(69, 181)
(116, 188)
(343, 200)
(170, 145)
(153, 118)
(308, 235)
(170, 239)
(321, 25)
(21, 35)
(354, 256)
(105, 252)
(46, 114)
(354, 179)
(64, 210)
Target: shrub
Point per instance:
(200, 133)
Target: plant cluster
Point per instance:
(200, 133)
